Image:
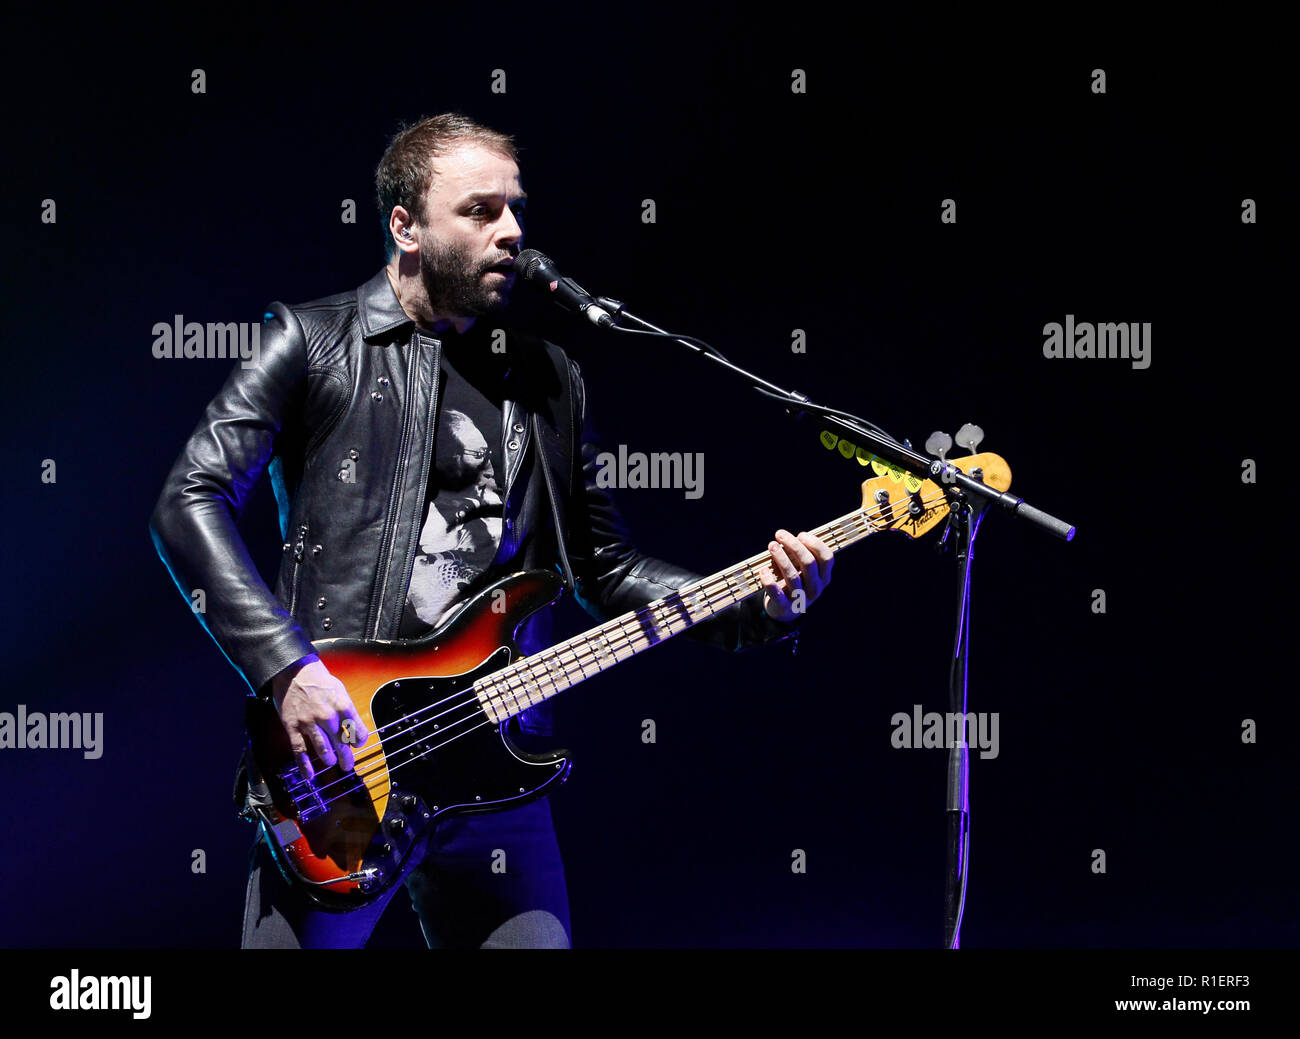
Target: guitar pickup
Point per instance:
(302, 792)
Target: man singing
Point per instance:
(413, 465)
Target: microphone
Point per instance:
(540, 270)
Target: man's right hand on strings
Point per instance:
(313, 707)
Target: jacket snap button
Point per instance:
(343, 474)
(353, 454)
(320, 603)
(382, 380)
(327, 624)
(376, 396)
(315, 550)
(513, 445)
(287, 546)
(519, 427)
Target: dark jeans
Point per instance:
(461, 900)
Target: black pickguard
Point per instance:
(443, 750)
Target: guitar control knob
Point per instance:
(408, 801)
(397, 825)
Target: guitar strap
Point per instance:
(251, 791)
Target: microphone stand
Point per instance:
(965, 525)
(964, 492)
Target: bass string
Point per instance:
(858, 523)
(637, 640)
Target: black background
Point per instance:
(1119, 731)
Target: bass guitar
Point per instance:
(442, 710)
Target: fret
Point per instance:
(627, 637)
(647, 625)
(505, 691)
(597, 650)
(550, 667)
(578, 662)
(567, 666)
(847, 530)
(699, 605)
(670, 615)
(485, 690)
(601, 651)
(514, 683)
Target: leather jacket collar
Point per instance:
(378, 307)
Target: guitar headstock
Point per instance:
(897, 500)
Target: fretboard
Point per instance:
(533, 679)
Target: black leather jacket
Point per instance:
(342, 410)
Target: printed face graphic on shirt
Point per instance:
(463, 456)
(462, 530)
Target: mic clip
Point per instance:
(956, 501)
(613, 307)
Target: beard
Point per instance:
(456, 285)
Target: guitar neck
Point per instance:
(536, 678)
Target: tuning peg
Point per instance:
(938, 445)
(969, 436)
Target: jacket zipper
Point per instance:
(394, 496)
(430, 433)
(299, 550)
(389, 541)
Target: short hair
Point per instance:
(405, 172)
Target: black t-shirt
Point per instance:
(460, 531)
